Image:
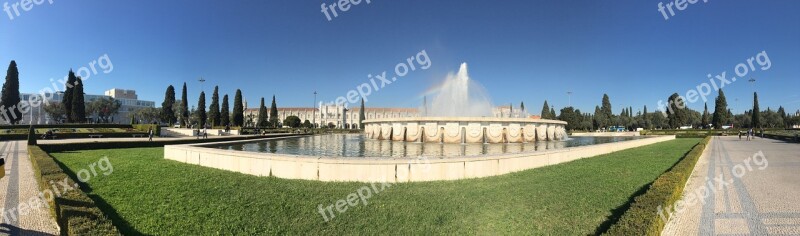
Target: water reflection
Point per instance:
(356, 145)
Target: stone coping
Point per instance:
(391, 170)
(463, 119)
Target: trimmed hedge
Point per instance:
(642, 217)
(55, 126)
(146, 128)
(75, 212)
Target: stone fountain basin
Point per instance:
(464, 129)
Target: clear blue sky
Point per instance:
(519, 50)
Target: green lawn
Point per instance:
(146, 194)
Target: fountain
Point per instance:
(461, 112)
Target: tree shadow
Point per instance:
(617, 212)
(14, 230)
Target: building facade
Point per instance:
(128, 99)
(332, 115)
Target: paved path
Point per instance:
(746, 193)
(21, 211)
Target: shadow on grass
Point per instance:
(617, 213)
(122, 225)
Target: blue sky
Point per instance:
(519, 50)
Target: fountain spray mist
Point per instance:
(460, 96)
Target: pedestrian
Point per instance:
(740, 135)
(205, 132)
(150, 135)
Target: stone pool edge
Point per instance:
(387, 170)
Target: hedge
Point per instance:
(642, 217)
(75, 212)
(55, 126)
(146, 128)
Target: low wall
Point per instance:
(388, 170)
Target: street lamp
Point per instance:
(201, 83)
(569, 96)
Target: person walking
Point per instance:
(150, 135)
(205, 132)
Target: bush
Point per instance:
(31, 136)
(642, 217)
(146, 127)
(75, 212)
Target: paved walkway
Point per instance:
(21, 211)
(735, 190)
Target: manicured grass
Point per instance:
(146, 194)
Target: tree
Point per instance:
(676, 113)
(605, 108)
(262, 115)
(78, 102)
(67, 98)
(646, 122)
(238, 109)
(146, 115)
(756, 113)
(599, 119)
(704, 120)
(201, 110)
(545, 111)
(273, 113)
(307, 124)
(55, 110)
(782, 114)
(720, 111)
(10, 95)
(167, 113)
(572, 118)
(213, 109)
(184, 107)
(361, 115)
(292, 121)
(522, 108)
(552, 113)
(224, 115)
(104, 108)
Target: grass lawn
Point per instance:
(146, 194)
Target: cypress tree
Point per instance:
(605, 109)
(67, 99)
(167, 112)
(361, 115)
(646, 119)
(184, 109)
(704, 119)
(676, 111)
(201, 109)
(10, 95)
(78, 103)
(756, 119)
(720, 111)
(552, 113)
(262, 115)
(213, 109)
(273, 113)
(225, 114)
(238, 109)
(545, 111)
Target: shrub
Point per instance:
(31, 136)
(642, 217)
(75, 212)
(146, 127)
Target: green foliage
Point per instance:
(201, 110)
(78, 102)
(676, 111)
(146, 128)
(545, 111)
(225, 112)
(67, 98)
(292, 121)
(262, 115)
(307, 124)
(705, 120)
(572, 118)
(237, 118)
(273, 114)
(167, 111)
(104, 108)
(184, 109)
(213, 109)
(75, 212)
(642, 218)
(756, 113)
(361, 115)
(720, 111)
(10, 95)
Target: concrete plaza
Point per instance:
(735, 190)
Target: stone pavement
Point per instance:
(741, 188)
(21, 211)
